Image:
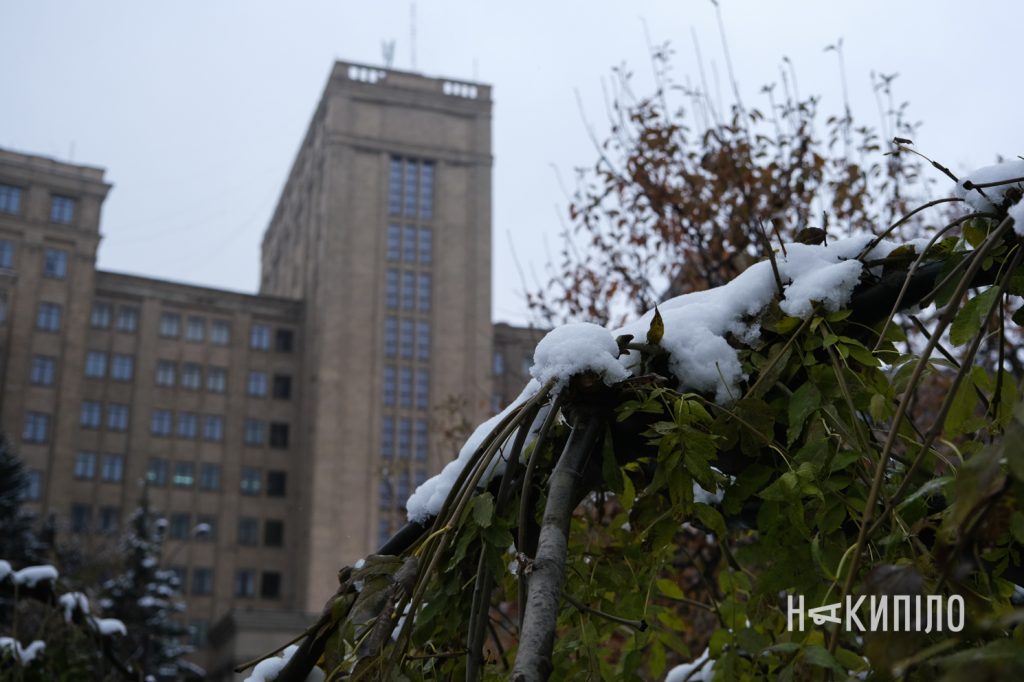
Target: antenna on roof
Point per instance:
(387, 47)
(412, 33)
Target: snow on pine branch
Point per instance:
(698, 329)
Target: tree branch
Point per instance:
(533, 658)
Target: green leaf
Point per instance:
(483, 510)
(970, 318)
(669, 588)
(710, 517)
(657, 329)
(804, 402)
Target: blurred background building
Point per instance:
(295, 422)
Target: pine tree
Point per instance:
(146, 598)
(18, 544)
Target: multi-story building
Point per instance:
(293, 423)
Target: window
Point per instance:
(498, 363)
(257, 384)
(390, 337)
(423, 339)
(393, 242)
(387, 437)
(195, 328)
(197, 633)
(91, 414)
(202, 581)
(55, 263)
(184, 474)
(409, 244)
(206, 528)
(33, 489)
(209, 477)
(273, 533)
(277, 482)
(179, 526)
(284, 339)
(423, 292)
(156, 472)
(245, 583)
(188, 425)
(422, 440)
(95, 364)
(117, 417)
(422, 389)
(165, 371)
(411, 169)
(43, 370)
(384, 495)
(270, 585)
(406, 338)
(426, 245)
(85, 465)
(395, 187)
(404, 437)
(10, 201)
(282, 387)
(403, 488)
(6, 254)
(127, 319)
(62, 209)
(427, 190)
(170, 325)
(408, 288)
(250, 482)
(248, 531)
(160, 423)
(122, 367)
(405, 387)
(389, 385)
(113, 468)
(36, 427)
(391, 289)
(81, 518)
(213, 428)
(259, 337)
(110, 519)
(253, 434)
(278, 435)
(191, 376)
(220, 332)
(48, 317)
(100, 316)
(216, 379)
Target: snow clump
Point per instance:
(705, 670)
(268, 669)
(25, 655)
(576, 348)
(71, 602)
(993, 197)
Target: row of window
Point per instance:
(254, 432)
(62, 208)
(245, 582)
(409, 441)
(251, 479)
(402, 377)
(411, 188)
(407, 290)
(249, 532)
(91, 416)
(498, 365)
(406, 338)
(111, 467)
(410, 244)
(55, 261)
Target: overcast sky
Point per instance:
(196, 109)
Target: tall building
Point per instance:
(383, 229)
(293, 423)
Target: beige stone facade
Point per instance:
(295, 422)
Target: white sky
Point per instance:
(197, 108)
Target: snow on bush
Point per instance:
(109, 626)
(701, 332)
(71, 602)
(268, 669)
(990, 198)
(699, 670)
(33, 575)
(25, 655)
